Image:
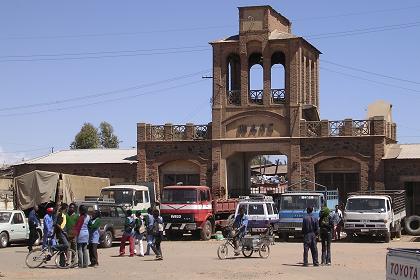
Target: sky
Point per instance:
(64, 63)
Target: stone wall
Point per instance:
(399, 171)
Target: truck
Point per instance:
(402, 264)
(134, 197)
(14, 228)
(191, 209)
(292, 208)
(375, 213)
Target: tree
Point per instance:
(261, 160)
(87, 138)
(107, 137)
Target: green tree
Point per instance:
(87, 138)
(261, 160)
(107, 137)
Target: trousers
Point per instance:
(309, 243)
(326, 247)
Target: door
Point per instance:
(119, 220)
(18, 227)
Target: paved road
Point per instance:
(198, 260)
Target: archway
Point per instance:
(339, 173)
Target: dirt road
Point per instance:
(198, 260)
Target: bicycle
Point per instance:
(63, 257)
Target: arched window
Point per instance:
(278, 78)
(256, 78)
(233, 79)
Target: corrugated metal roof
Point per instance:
(402, 151)
(86, 156)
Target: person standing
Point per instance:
(48, 230)
(71, 220)
(338, 220)
(128, 234)
(310, 231)
(149, 227)
(94, 225)
(34, 222)
(326, 226)
(157, 231)
(139, 233)
(82, 236)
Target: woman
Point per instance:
(326, 226)
(157, 232)
(94, 225)
(82, 236)
(139, 233)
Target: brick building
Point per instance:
(246, 122)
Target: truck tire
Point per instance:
(387, 237)
(412, 225)
(206, 231)
(4, 239)
(108, 238)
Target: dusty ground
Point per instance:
(198, 260)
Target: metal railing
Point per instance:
(336, 128)
(178, 132)
(256, 96)
(278, 96)
(200, 132)
(157, 132)
(234, 97)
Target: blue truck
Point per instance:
(292, 208)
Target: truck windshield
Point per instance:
(299, 202)
(366, 204)
(121, 196)
(5, 217)
(179, 196)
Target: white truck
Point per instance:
(375, 213)
(133, 197)
(14, 228)
(402, 264)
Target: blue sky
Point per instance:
(63, 63)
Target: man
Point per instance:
(337, 219)
(48, 227)
(240, 225)
(128, 234)
(71, 220)
(33, 224)
(326, 226)
(149, 228)
(310, 231)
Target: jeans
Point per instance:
(309, 242)
(150, 240)
(124, 239)
(73, 246)
(156, 245)
(82, 253)
(93, 253)
(326, 247)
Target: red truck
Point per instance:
(191, 209)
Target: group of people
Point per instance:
(63, 228)
(327, 227)
(136, 228)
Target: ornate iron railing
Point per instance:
(361, 127)
(200, 132)
(256, 96)
(278, 96)
(336, 128)
(178, 132)
(157, 132)
(313, 129)
(234, 97)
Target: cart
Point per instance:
(249, 244)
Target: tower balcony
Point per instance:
(171, 132)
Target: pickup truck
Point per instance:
(375, 213)
(402, 264)
(14, 228)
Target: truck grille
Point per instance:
(290, 225)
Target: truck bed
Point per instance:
(225, 206)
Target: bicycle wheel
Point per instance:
(36, 257)
(66, 259)
(264, 251)
(222, 251)
(247, 252)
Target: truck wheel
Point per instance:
(387, 237)
(4, 239)
(412, 225)
(108, 238)
(206, 231)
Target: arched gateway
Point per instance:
(281, 117)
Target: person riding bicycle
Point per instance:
(240, 225)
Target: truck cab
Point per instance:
(292, 209)
(134, 197)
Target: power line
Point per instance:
(163, 90)
(373, 81)
(104, 93)
(370, 72)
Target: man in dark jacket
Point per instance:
(310, 230)
(34, 222)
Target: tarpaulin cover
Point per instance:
(78, 187)
(35, 187)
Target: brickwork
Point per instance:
(399, 171)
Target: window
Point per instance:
(146, 196)
(388, 205)
(256, 209)
(269, 209)
(204, 196)
(17, 219)
(139, 197)
(120, 212)
(105, 211)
